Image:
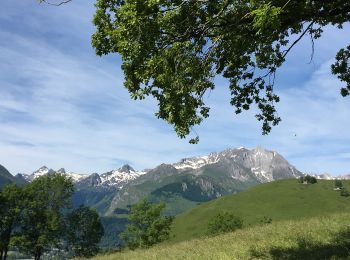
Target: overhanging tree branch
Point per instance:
(244, 41)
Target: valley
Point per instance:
(249, 183)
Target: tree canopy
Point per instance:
(37, 219)
(84, 231)
(147, 225)
(46, 199)
(10, 211)
(173, 49)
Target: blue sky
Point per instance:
(62, 106)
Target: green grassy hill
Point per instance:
(279, 200)
(316, 238)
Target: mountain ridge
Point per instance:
(184, 164)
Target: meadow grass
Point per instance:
(278, 200)
(323, 237)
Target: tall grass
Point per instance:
(278, 200)
(325, 237)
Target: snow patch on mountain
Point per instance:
(120, 177)
(327, 176)
(45, 170)
(265, 165)
(40, 172)
(196, 162)
(115, 178)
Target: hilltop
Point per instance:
(309, 221)
(278, 200)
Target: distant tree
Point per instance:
(312, 180)
(309, 179)
(46, 198)
(301, 179)
(338, 184)
(147, 225)
(344, 193)
(10, 211)
(84, 231)
(224, 222)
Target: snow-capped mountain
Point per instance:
(258, 165)
(327, 176)
(45, 170)
(187, 182)
(115, 178)
(265, 165)
(203, 178)
(118, 178)
(40, 172)
(75, 176)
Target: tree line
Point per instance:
(38, 217)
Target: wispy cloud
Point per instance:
(62, 106)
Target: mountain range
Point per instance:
(181, 185)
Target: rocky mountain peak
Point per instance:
(42, 171)
(42, 168)
(126, 168)
(94, 179)
(62, 171)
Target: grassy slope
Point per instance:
(316, 238)
(280, 200)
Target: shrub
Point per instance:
(344, 193)
(338, 184)
(301, 179)
(308, 179)
(147, 225)
(266, 220)
(224, 222)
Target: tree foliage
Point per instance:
(173, 49)
(46, 198)
(147, 225)
(308, 179)
(84, 231)
(344, 193)
(36, 218)
(10, 212)
(224, 222)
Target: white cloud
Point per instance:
(62, 106)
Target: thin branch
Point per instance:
(297, 40)
(312, 48)
(59, 4)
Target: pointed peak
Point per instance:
(43, 170)
(126, 168)
(62, 170)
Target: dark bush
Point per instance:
(224, 222)
(266, 220)
(344, 193)
(308, 179)
(338, 184)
